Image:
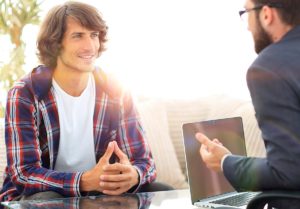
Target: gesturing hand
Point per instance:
(211, 152)
(127, 177)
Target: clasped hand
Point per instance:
(111, 179)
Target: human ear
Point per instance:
(266, 16)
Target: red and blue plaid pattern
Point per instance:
(32, 135)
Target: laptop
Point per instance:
(208, 188)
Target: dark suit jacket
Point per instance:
(274, 83)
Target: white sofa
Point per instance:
(162, 120)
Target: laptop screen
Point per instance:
(203, 182)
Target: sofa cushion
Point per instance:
(155, 123)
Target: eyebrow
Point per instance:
(76, 33)
(81, 33)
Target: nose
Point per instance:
(88, 43)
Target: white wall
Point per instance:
(171, 48)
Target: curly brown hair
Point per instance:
(54, 26)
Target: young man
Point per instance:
(69, 129)
(273, 81)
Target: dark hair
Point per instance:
(289, 10)
(54, 26)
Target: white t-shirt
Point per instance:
(76, 145)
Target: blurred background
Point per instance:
(157, 48)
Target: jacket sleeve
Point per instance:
(133, 142)
(24, 162)
(277, 106)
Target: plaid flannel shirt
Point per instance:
(32, 135)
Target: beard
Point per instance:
(261, 38)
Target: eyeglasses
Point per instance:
(242, 12)
(258, 7)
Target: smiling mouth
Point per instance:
(86, 57)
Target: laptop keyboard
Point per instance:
(237, 200)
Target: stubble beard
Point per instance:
(261, 38)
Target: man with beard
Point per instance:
(274, 83)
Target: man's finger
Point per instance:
(123, 158)
(204, 140)
(116, 192)
(115, 178)
(217, 141)
(109, 185)
(116, 167)
(109, 151)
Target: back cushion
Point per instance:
(208, 108)
(155, 123)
